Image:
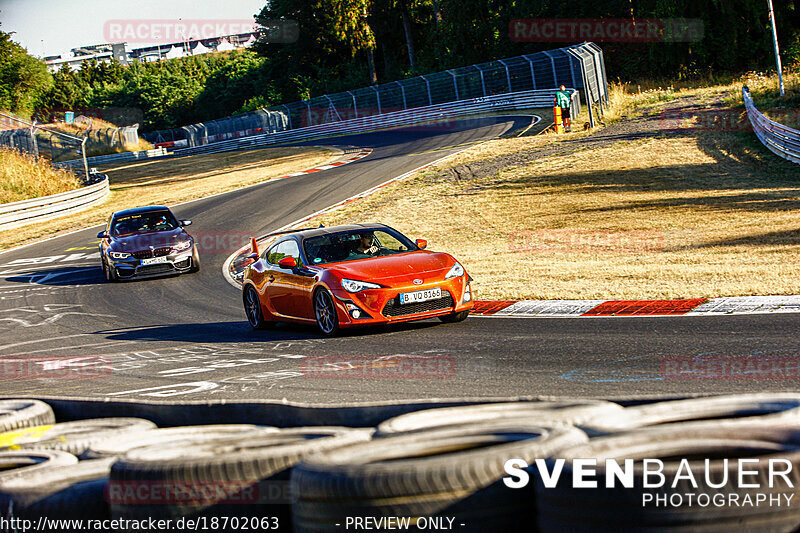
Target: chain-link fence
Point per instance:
(28, 137)
(580, 67)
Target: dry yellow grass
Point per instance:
(23, 176)
(172, 181)
(682, 216)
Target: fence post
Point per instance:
(483, 82)
(378, 97)
(355, 107)
(455, 82)
(289, 115)
(403, 92)
(533, 74)
(508, 73)
(333, 107)
(310, 119)
(83, 154)
(33, 139)
(428, 84)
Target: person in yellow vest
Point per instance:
(563, 101)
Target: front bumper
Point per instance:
(131, 267)
(382, 306)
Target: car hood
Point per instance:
(392, 267)
(143, 241)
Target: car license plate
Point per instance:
(154, 260)
(420, 296)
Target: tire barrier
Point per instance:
(16, 414)
(435, 468)
(542, 413)
(233, 476)
(73, 437)
(14, 464)
(740, 408)
(69, 492)
(119, 446)
(607, 510)
(453, 472)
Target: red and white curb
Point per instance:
(739, 305)
(364, 152)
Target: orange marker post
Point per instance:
(557, 119)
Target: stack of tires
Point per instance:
(448, 464)
(127, 468)
(435, 469)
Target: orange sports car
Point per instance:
(344, 276)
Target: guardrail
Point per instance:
(779, 139)
(450, 110)
(25, 212)
(114, 158)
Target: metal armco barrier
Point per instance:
(25, 212)
(442, 112)
(114, 158)
(779, 139)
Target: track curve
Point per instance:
(67, 333)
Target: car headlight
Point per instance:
(183, 245)
(351, 285)
(455, 272)
(119, 255)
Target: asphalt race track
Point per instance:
(66, 332)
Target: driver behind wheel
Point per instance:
(366, 244)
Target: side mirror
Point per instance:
(102, 235)
(287, 262)
(186, 222)
(422, 244)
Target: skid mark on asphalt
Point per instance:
(31, 317)
(255, 365)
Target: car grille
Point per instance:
(394, 308)
(147, 254)
(154, 269)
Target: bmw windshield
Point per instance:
(144, 222)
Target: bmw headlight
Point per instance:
(351, 285)
(183, 245)
(119, 255)
(455, 272)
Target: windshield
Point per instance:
(144, 222)
(356, 244)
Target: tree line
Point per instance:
(346, 44)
